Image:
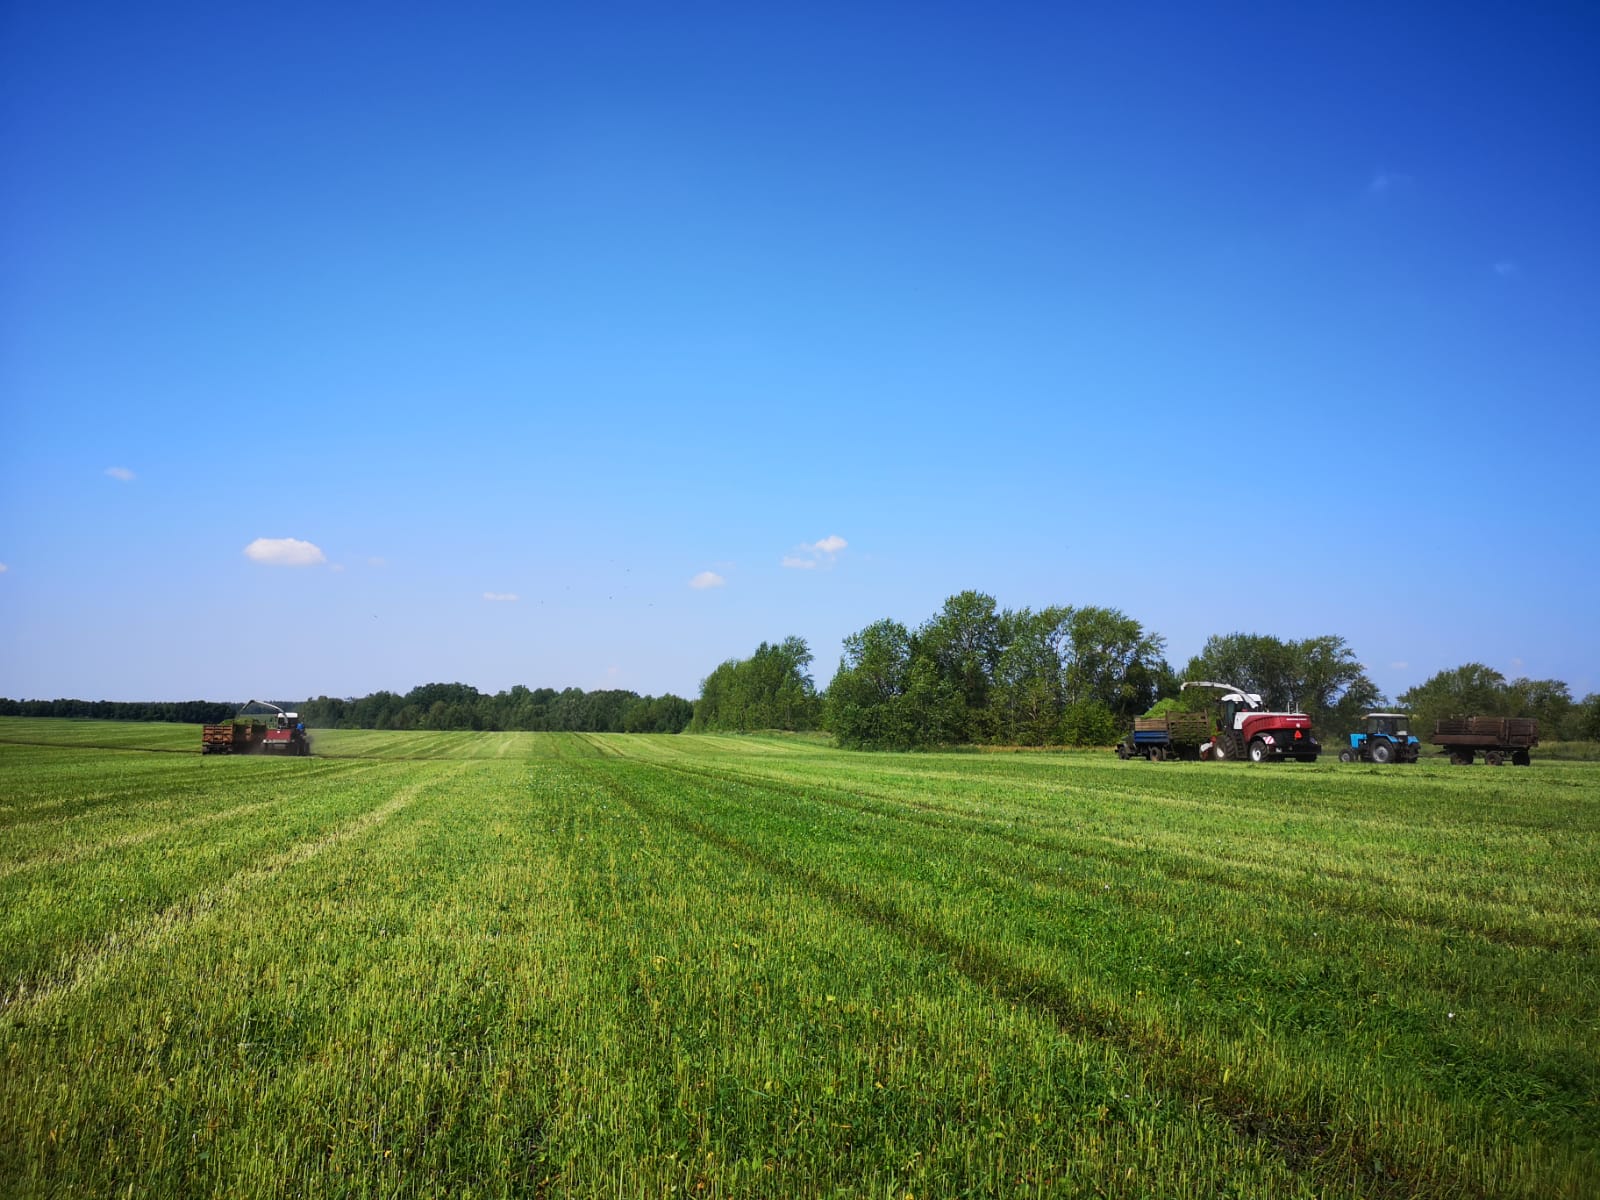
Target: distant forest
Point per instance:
(433, 706)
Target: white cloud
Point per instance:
(501, 597)
(4, 568)
(1399, 666)
(1505, 268)
(121, 474)
(375, 561)
(284, 552)
(807, 556)
(707, 579)
(1388, 183)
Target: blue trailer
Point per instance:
(1172, 735)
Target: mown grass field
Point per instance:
(569, 965)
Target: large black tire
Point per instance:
(1494, 758)
(1461, 758)
(1521, 759)
(1347, 755)
(1259, 751)
(1158, 754)
(1380, 750)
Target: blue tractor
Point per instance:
(1387, 738)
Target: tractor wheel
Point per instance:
(1521, 759)
(1258, 751)
(1380, 750)
(1494, 758)
(1347, 755)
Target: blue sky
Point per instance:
(1262, 318)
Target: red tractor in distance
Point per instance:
(1246, 730)
(285, 734)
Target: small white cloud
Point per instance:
(375, 561)
(1399, 666)
(121, 474)
(1384, 184)
(501, 597)
(284, 552)
(707, 579)
(1517, 664)
(4, 568)
(335, 566)
(1506, 268)
(808, 556)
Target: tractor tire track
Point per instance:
(159, 929)
(1305, 1141)
(1135, 856)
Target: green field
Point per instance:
(605, 965)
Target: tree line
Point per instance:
(187, 712)
(772, 689)
(1473, 689)
(459, 706)
(433, 706)
(975, 673)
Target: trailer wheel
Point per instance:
(1258, 751)
(1158, 754)
(1461, 758)
(1521, 759)
(1494, 758)
(1380, 750)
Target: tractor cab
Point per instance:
(1391, 725)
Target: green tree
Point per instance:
(1112, 660)
(964, 643)
(1549, 701)
(1029, 689)
(1471, 689)
(772, 689)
